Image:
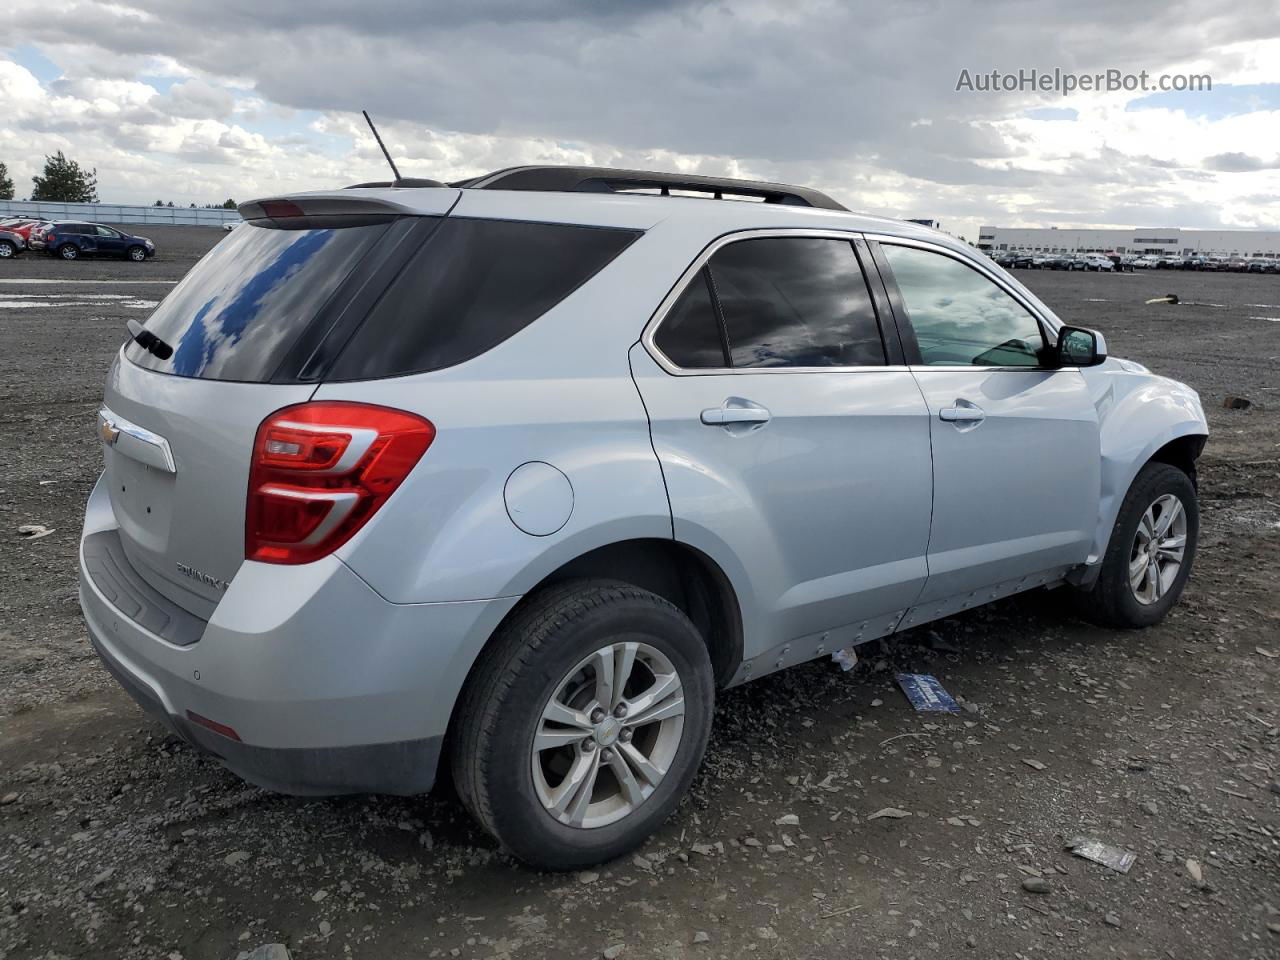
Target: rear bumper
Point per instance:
(330, 688)
(407, 767)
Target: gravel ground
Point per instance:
(118, 841)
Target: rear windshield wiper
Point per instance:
(148, 341)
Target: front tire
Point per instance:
(1152, 548)
(136, 254)
(584, 723)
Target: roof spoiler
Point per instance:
(287, 208)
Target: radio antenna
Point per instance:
(391, 163)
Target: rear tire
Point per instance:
(539, 674)
(1138, 583)
(7, 250)
(136, 254)
(68, 251)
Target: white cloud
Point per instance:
(190, 101)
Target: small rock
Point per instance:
(877, 702)
(236, 858)
(326, 928)
(1033, 764)
(1195, 873)
(1151, 809)
(613, 951)
(1036, 885)
(268, 951)
(1111, 920)
(8, 798)
(891, 812)
(101, 878)
(33, 531)
(971, 942)
(788, 820)
(588, 876)
(752, 842)
(319, 895)
(701, 937)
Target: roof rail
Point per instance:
(611, 180)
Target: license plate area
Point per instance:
(142, 499)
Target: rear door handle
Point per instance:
(962, 412)
(721, 416)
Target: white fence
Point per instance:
(117, 213)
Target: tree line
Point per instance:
(65, 181)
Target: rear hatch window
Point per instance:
(236, 315)
(288, 305)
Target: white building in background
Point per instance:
(1167, 240)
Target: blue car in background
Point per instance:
(72, 239)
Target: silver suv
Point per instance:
(511, 475)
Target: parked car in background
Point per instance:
(1022, 261)
(1147, 262)
(11, 243)
(1236, 264)
(1261, 265)
(1096, 262)
(72, 239)
(23, 226)
(656, 448)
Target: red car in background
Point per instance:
(22, 226)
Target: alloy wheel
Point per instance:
(608, 735)
(1158, 549)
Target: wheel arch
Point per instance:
(675, 571)
(678, 572)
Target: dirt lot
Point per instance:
(117, 841)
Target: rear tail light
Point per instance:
(320, 470)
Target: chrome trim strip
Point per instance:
(647, 335)
(135, 442)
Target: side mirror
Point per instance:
(1078, 347)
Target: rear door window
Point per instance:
(472, 285)
(240, 309)
(775, 302)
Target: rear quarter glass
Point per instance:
(471, 285)
(236, 315)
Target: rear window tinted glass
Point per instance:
(240, 309)
(472, 285)
(690, 333)
(796, 302)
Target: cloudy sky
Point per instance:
(198, 101)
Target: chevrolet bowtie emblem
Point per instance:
(109, 432)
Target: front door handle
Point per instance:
(735, 411)
(962, 412)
